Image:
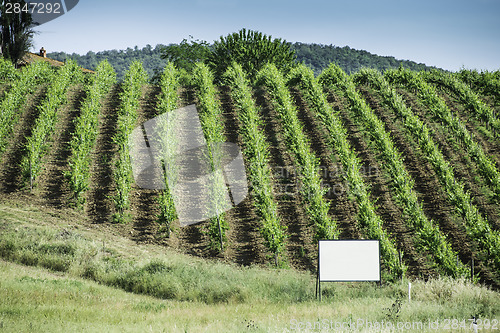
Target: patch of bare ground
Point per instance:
(379, 184)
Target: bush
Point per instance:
(7, 70)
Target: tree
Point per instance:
(252, 50)
(187, 53)
(16, 35)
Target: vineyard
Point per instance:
(408, 158)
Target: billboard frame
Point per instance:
(318, 280)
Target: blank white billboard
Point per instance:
(349, 260)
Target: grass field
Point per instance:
(51, 295)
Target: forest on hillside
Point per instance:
(315, 56)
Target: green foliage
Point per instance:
(13, 100)
(372, 223)
(7, 70)
(132, 84)
(86, 128)
(485, 163)
(16, 34)
(170, 276)
(257, 154)
(468, 97)
(435, 104)
(318, 57)
(184, 290)
(168, 100)
(187, 53)
(37, 142)
(477, 227)
(213, 130)
(315, 56)
(252, 50)
(150, 57)
(484, 82)
(305, 160)
(428, 236)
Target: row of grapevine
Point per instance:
(213, 130)
(168, 100)
(337, 138)
(428, 95)
(467, 97)
(476, 226)
(427, 234)
(86, 129)
(305, 160)
(134, 79)
(44, 125)
(28, 79)
(484, 82)
(256, 150)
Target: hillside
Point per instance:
(408, 158)
(316, 56)
(30, 58)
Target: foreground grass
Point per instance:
(56, 277)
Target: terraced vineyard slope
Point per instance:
(408, 158)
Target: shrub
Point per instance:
(252, 50)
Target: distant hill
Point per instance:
(119, 59)
(316, 56)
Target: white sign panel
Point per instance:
(349, 260)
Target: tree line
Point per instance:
(189, 51)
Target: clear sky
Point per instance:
(445, 33)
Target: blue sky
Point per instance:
(443, 33)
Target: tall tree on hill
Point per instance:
(16, 34)
(252, 50)
(186, 54)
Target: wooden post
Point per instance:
(220, 234)
(31, 176)
(318, 282)
(401, 262)
(472, 270)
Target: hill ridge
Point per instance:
(316, 56)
